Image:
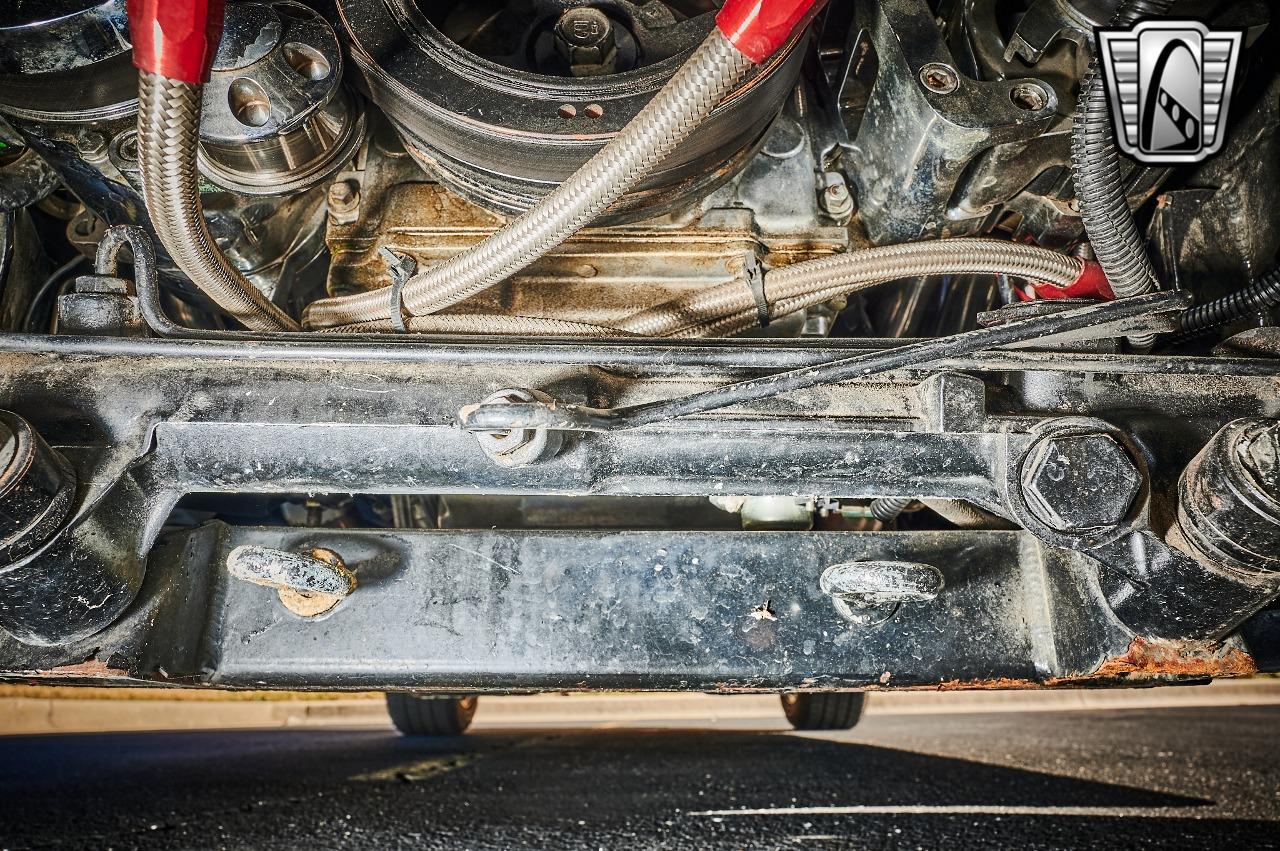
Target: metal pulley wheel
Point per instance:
(504, 99)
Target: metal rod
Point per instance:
(1098, 320)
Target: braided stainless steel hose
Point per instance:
(731, 307)
(168, 131)
(714, 70)
(491, 323)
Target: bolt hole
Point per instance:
(567, 110)
(249, 103)
(1029, 96)
(306, 60)
(940, 78)
(593, 110)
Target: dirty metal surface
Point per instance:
(499, 611)
(650, 610)
(237, 417)
(602, 274)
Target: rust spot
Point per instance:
(1158, 658)
(739, 688)
(1144, 660)
(996, 684)
(93, 668)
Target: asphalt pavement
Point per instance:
(1174, 778)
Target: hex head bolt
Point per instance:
(344, 201)
(1078, 482)
(585, 39)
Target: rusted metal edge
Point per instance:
(1147, 659)
(1144, 662)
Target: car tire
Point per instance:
(417, 715)
(838, 710)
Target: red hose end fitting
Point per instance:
(175, 38)
(759, 28)
(1092, 284)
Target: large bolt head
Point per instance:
(1078, 482)
(584, 37)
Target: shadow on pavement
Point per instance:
(284, 789)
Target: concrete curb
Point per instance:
(42, 714)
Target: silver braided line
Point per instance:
(168, 131)
(709, 75)
(483, 323)
(731, 307)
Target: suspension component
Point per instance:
(37, 487)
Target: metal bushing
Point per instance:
(519, 447)
(1222, 562)
(1229, 498)
(37, 489)
(276, 118)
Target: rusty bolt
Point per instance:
(343, 196)
(584, 37)
(835, 199)
(308, 583)
(1080, 481)
(940, 78)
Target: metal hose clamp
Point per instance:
(755, 282)
(401, 267)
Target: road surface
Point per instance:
(1155, 778)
